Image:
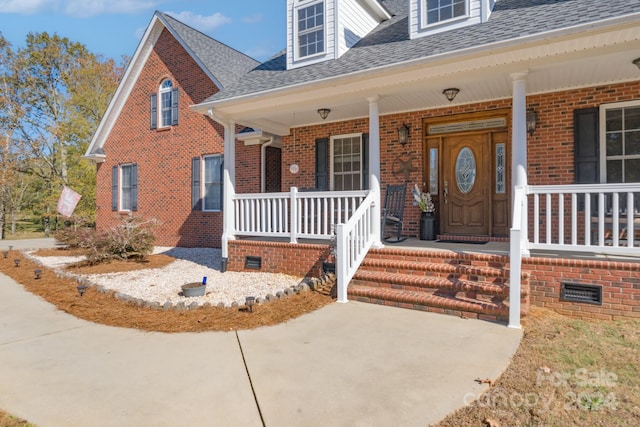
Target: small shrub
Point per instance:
(133, 237)
(78, 234)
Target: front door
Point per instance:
(466, 195)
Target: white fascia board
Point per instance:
(95, 158)
(255, 137)
(521, 43)
(381, 12)
(134, 68)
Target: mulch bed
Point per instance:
(106, 309)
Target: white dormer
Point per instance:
(435, 16)
(320, 30)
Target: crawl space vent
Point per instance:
(253, 262)
(577, 292)
(329, 267)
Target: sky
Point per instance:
(114, 28)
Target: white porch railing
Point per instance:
(294, 214)
(600, 218)
(595, 218)
(353, 241)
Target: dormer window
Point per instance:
(437, 11)
(310, 27)
(164, 108)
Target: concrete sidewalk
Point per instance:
(349, 364)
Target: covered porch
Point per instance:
(558, 244)
(504, 82)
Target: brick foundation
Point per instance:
(620, 281)
(303, 260)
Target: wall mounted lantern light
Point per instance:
(636, 62)
(324, 112)
(532, 120)
(403, 134)
(451, 93)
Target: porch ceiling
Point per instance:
(567, 62)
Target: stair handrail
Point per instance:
(353, 240)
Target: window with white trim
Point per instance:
(621, 142)
(437, 11)
(310, 29)
(346, 162)
(212, 188)
(124, 187)
(164, 105)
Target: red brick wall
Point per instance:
(273, 172)
(549, 152)
(302, 260)
(620, 281)
(164, 156)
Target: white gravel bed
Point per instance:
(162, 285)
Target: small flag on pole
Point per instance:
(68, 201)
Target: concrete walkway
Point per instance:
(349, 364)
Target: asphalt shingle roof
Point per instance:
(390, 44)
(224, 62)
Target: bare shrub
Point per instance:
(133, 237)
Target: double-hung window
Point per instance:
(347, 162)
(310, 24)
(208, 170)
(436, 11)
(213, 183)
(124, 187)
(164, 108)
(622, 143)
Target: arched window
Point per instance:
(164, 109)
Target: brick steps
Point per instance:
(463, 284)
(423, 301)
(414, 282)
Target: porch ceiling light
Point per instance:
(636, 62)
(324, 112)
(532, 120)
(451, 93)
(403, 134)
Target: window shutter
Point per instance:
(586, 146)
(322, 164)
(154, 111)
(114, 188)
(196, 201)
(365, 161)
(134, 188)
(174, 106)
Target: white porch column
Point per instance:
(229, 182)
(519, 148)
(519, 177)
(519, 130)
(374, 166)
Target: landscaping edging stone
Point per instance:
(185, 303)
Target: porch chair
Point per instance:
(393, 212)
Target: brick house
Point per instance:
(520, 119)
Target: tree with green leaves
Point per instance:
(54, 93)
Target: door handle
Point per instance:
(445, 192)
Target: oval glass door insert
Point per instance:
(465, 170)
